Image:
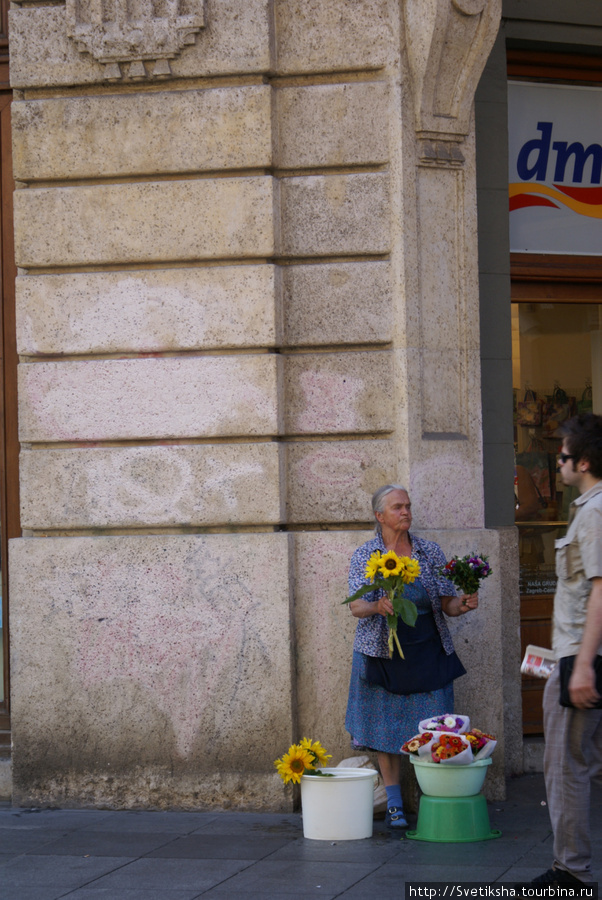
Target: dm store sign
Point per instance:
(555, 155)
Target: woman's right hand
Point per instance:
(384, 606)
(362, 609)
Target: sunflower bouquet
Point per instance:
(302, 759)
(389, 572)
(467, 572)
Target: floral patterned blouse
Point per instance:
(371, 636)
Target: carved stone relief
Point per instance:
(145, 34)
(447, 43)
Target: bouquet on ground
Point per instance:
(389, 572)
(467, 572)
(302, 759)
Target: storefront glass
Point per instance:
(557, 372)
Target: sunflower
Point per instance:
(390, 564)
(294, 763)
(411, 570)
(373, 565)
(317, 750)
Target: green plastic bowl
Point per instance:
(439, 780)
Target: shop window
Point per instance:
(555, 202)
(557, 372)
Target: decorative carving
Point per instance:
(441, 153)
(448, 43)
(138, 32)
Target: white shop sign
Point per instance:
(555, 163)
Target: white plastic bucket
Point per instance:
(339, 808)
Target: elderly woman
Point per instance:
(378, 718)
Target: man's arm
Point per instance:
(582, 686)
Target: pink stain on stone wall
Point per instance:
(338, 468)
(177, 639)
(330, 402)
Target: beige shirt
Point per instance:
(578, 559)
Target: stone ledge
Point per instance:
(200, 485)
(334, 393)
(120, 135)
(338, 303)
(100, 400)
(144, 222)
(314, 36)
(152, 311)
(333, 125)
(329, 215)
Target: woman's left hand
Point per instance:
(457, 606)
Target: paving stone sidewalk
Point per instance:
(103, 855)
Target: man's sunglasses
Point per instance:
(562, 457)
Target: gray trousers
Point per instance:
(572, 759)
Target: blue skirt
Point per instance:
(378, 720)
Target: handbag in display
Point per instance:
(565, 667)
(585, 405)
(529, 410)
(556, 411)
(540, 465)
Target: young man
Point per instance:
(573, 735)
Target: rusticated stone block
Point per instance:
(325, 633)
(338, 303)
(157, 310)
(144, 222)
(161, 675)
(235, 39)
(147, 398)
(313, 36)
(326, 215)
(333, 481)
(332, 125)
(121, 487)
(141, 134)
(334, 393)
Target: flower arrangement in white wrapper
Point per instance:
(458, 747)
(448, 722)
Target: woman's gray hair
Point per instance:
(378, 501)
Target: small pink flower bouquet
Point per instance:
(448, 722)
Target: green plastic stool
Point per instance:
(453, 820)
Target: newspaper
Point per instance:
(538, 662)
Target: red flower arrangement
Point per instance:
(415, 743)
(448, 746)
(482, 744)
